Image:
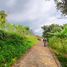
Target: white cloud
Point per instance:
(35, 10)
(55, 20)
(38, 31)
(11, 3)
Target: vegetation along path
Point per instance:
(39, 56)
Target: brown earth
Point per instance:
(38, 56)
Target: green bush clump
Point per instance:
(15, 40)
(13, 46)
(57, 37)
(59, 47)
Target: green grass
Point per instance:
(13, 46)
(59, 47)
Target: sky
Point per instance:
(32, 13)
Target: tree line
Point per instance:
(55, 30)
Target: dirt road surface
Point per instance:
(38, 56)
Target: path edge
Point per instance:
(54, 56)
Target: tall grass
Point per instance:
(59, 47)
(14, 43)
(57, 36)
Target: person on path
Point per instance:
(45, 42)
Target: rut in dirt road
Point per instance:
(39, 56)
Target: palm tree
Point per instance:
(2, 17)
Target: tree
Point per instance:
(2, 17)
(52, 29)
(46, 29)
(55, 28)
(62, 5)
(65, 26)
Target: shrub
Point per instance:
(13, 46)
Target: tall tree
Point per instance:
(51, 29)
(2, 17)
(62, 5)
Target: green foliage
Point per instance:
(15, 40)
(51, 30)
(2, 17)
(13, 46)
(57, 36)
(62, 6)
(59, 47)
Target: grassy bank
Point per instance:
(59, 47)
(15, 40)
(13, 45)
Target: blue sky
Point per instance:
(33, 13)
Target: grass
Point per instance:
(59, 47)
(13, 46)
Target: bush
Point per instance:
(59, 47)
(13, 46)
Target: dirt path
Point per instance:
(39, 56)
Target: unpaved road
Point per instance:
(38, 56)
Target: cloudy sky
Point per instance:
(33, 13)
